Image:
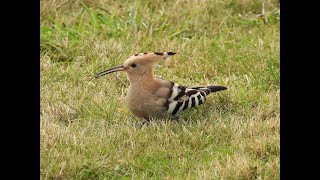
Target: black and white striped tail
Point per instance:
(183, 97)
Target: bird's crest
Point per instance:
(153, 56)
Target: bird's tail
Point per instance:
(209, 89)
(216, 88)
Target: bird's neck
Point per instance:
(147, 76)
(140, 79)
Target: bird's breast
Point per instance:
(144, 103)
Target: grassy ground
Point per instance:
(86, 129)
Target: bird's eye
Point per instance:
(133, 65)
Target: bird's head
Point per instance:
(138, 64)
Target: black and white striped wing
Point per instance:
(183, 98)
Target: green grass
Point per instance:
(87, 132)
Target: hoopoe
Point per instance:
(149, 96)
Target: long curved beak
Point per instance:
(108, 71)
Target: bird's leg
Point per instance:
(141, 124)
(145, 121)
(177, 119)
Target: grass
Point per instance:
(87, 132)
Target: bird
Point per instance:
(150, 96)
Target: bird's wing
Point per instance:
(183, 97)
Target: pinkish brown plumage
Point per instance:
(149, 96)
